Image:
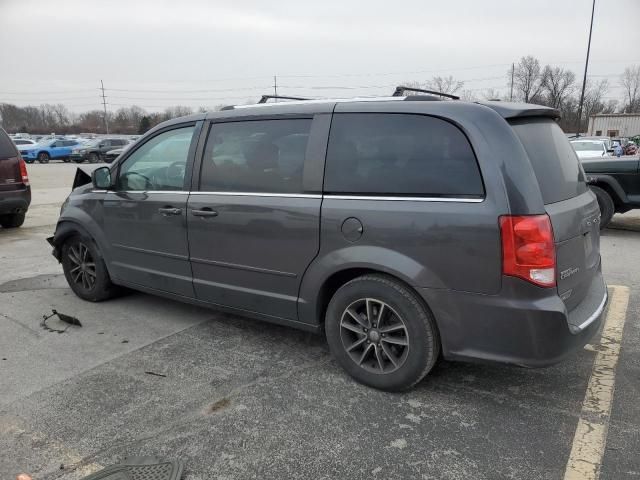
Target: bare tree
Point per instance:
(494, 94)
(558, 84)
(630, 81)
(527, 79)
(445, 84)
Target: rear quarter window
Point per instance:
(7, 148)
(552, 157)
(400, 155)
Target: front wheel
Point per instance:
(94, 158)
(381, 333)
(85, 270)
(66, 159)
(43, 157)
(605, 202)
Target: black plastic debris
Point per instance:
(68, 319)
(147, 468)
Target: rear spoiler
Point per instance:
(508, 110)
(83, 175)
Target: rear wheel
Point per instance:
(85, 270)
(605, 202)
(12, 220)
(94, 158)
(43, 157)
(380, 332)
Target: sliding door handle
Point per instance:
(205, 212)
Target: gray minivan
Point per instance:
(405, 228)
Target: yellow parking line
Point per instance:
(590, 438)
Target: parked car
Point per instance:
(15, 192)
(23, 142)
(403, 229)
(616, 184)
(589, 148)
(95, 150)
(50, 149)
(111, 155)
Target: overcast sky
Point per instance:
(156, 53)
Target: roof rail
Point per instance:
(401, 89)
(264, 98)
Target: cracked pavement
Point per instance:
(235, 398)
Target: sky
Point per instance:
(157, 53)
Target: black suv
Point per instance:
(95, 150)
(404, 228)
(15, 192)
(616, 183)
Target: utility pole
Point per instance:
(513, 69)
(586, 65)
(275, 88)
(104, 104)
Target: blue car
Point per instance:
(49, 149)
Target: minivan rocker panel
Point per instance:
(403, 228)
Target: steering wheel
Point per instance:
(128, 176)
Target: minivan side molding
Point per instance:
(309, 195)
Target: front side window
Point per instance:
(255, 156)
(159, 164)
(399, 155)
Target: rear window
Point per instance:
(399, 155)
(553, 160)
(7, 148)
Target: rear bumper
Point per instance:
(525, 325)
(15, 201)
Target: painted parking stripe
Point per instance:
(591, 434)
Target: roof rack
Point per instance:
(264, 98)
(401, 89)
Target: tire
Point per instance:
(12, 220)
(43, 157)
(605, 202)
(85, 270)
(412, 343)
(79, 160)
(94, 157)
(66, 159)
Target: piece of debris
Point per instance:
(23, 476)
(219, 405)
(155, 374)
(68, 319)
(141, 467)
(125, 341)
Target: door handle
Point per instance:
(205, 212)
(167, 211)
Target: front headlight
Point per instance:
(82, 150)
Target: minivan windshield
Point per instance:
(554, 162)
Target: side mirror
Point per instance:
(101, 178)
(101, 145)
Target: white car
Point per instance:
(589, 148)
(23, 142)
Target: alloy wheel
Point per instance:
(374, 335)
(83, 267)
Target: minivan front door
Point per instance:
(254, 223)
(145, 217)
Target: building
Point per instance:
(614, 125)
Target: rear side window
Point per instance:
(553, 160)
(255, 156)
(400, 154)
(7, 149)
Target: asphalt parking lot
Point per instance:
(237, 399)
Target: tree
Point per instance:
(558, 84)
(527, 79)
(145, 124)
(630, 81)
(445, 84)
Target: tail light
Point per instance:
(528, 250)
(23, 171)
